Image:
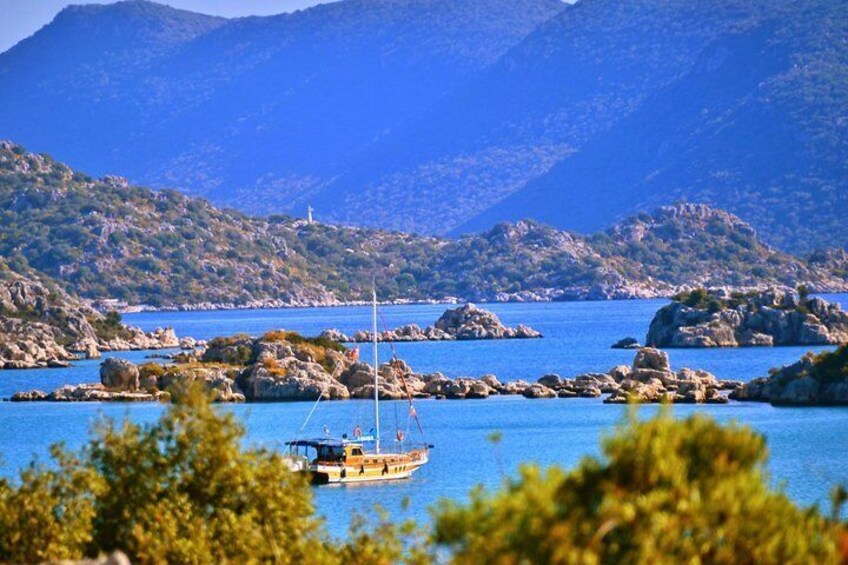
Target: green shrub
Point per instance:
(664, 491)
(701, 299)
(48, 515)
(148, 370)
(831, 366)
(184, 490)
(110, 327)
(235, 350)
(179, 490)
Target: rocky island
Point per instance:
(285, 366)
(814, 380)
(467, 322)
(721, 318)
(42, 326)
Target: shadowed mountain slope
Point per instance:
(445, 117)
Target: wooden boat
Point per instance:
(359, 459)
(350, 462)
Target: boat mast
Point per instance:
(376, 372)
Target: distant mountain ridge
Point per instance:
(447, 116)
(255, 107)
(755, 123)
(107, 239)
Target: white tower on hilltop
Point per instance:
(309, 214)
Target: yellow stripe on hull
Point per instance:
(337, 474)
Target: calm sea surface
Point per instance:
(808, 446)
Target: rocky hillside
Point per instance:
(696, 244)
(718, 318)
(105, 238)
(446, 116)
(814, 380)
(108, 239)
(257, 112)
(645, 256)
(42, 326)
(742, 107)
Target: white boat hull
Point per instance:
(344, 474)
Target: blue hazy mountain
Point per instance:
(610, 108)
(751, 115)
(254, 112)
(442, 116)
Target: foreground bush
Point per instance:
(665, 491)
(181, 490)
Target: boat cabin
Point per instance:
(329, 451)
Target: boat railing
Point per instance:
(419, 446)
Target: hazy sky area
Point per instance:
(21, 18)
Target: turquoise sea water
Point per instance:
(808, 446)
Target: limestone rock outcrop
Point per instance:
(467, 322)
(42, 326)
(649, 379)
(119, 374)
(813, 380)
(284, 366)
(718, 318)
(471, 322)
(88, 393)
(626, 343)
(28, 345)
(290, 379)
(538, 391)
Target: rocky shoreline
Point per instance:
(273, 304)
(814, 380)
(720, 318)
(569, 294)
(284, 366)
(467, 322)
(43, 327)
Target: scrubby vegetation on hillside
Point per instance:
(184, 490)
(831, 366)
(702, 299)
(742, 108)
(699, 243)
(458, 112)
(107, 239)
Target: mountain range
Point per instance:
(108, 239)
(444, 117)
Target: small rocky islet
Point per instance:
(467, 322)
(285, 366)
(723, 318)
